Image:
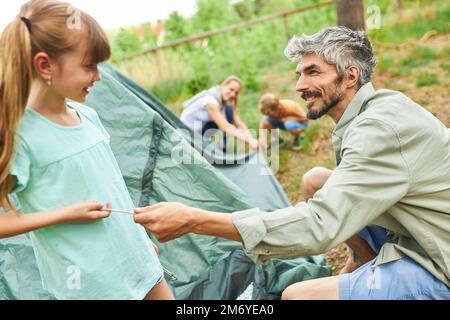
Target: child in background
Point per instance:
(286, 115)
(62, 155)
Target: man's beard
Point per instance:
(328, 105)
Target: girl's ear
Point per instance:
(43, 66)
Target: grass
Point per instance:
(385, 63)
(419, 56)
(169, 88)
(427, 79)
(310, 135)
(446, 67)
(248, 109)
(416, 22)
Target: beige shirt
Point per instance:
(393, 170)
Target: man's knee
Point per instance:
(314, 180)
(296, 291)
(318, 289)
(290, 293)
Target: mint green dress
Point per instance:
(56, 166)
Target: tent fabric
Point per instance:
(145, 136)
(263, 189)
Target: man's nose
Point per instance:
(302, 84)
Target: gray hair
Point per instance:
(338, 46)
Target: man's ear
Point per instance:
(352, 77)
(43, 66)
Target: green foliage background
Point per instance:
(177, 73)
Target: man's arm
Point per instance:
(370, 179)
(168, 221)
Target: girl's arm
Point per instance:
(12, 224)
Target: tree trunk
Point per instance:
(351, 14)
(400, 9)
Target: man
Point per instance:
(393, 170)
(283, 114)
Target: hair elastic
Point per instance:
(27, 23)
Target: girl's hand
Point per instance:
(85, 212)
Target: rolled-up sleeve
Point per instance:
(373, 175)
(21, 164)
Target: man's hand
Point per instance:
(166, 221)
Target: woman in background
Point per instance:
(217, 109)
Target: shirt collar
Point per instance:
(354, 108)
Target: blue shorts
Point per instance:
(402, 279)
(288, 125)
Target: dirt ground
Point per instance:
(435, 98)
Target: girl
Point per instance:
(62, 155)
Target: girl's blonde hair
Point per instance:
(229, 80)
(48, 26)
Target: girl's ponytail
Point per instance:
(16, 74)
(41, 26)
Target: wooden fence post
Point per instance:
(286, 27)
(158, 65)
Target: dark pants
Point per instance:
(212, 125)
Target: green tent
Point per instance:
(160, 162)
